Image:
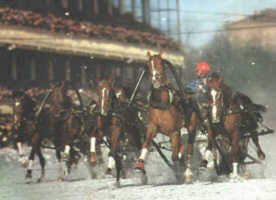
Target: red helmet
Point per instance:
(203, 68)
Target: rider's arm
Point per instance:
(191, 87)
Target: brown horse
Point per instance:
(100, 132)
(116, 126)
(225, 118)
(66, 125)
(58, 124)
(125, 130)
(228, 116)
(164, 116)
(24, 125)
(26, 131)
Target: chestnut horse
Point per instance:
(165, 117)
(26, 131)
(117, 125)
(126, 132)
(228, 117)
(100, 132)
(58, 124)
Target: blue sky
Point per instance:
(199, 18)
(210, 15)
(205, 16)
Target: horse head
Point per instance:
(215, 96)
(104, 91)
(156, 70)
(57, 96)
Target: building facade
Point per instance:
(76, 40)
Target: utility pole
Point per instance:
(145, 11)
(133, 7)
(178, 25)
(168, 18)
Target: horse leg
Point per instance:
(208, 157)
(22, 157)
(255, 139)
(42, 164)
(96, 131)
(30, 163)
(234, 153)
(151, 130)
(115, 133)
(19, 148)
(175, 154)
(19, 143)
(61, 164)
(191, 139)
(118, 163)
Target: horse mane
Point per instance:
(249, 104)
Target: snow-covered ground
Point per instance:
(162, 186)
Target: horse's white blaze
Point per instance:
(171, 96)
(143, 154)
(93, 144)
(153, 70)
(105, 94)
(214, 106)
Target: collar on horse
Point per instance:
(155, 101)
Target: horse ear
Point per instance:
(148, 54)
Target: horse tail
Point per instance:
(258, 108)
(249, 104)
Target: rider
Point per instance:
(197, 89)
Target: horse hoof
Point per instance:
(235, 177)
(108, 171)
(144, 179)
(117, 184)
(60, 179)
(28, 174)
(140, 165)
(124, 174)
(39, 180)
(203, 164)
(261, 155)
